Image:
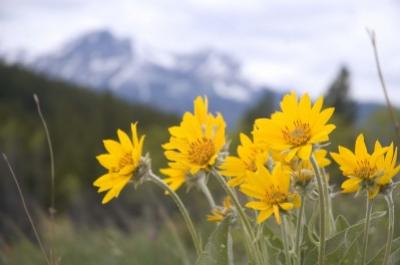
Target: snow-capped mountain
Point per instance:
(91, 60)
(169, 81)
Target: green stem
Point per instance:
(322, 204)
(285, 240)
(26, 210)
(203, 187)
(299, 230)
(52, 209)
(328, 204)
(250, 236)
(263, 246)
(189, 223)
(230, 247)
(390, 204)
(366, 230)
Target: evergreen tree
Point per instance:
(338, 96)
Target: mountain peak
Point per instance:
(209, 63)
(90, 59)
(98, 43)
(101, 60)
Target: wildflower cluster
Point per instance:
(372, 172)
(277, 169)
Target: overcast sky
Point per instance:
(297, 44)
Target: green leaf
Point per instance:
(344, 238)
(273, 245)
(217, 248)
(310, 250)
(351, 254)
(378, 259)
(395, 256)
(338, 245)
(274, 240)
(341, 223)
(312, 227)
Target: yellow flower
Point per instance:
(176, 174)
(387, 164)
(295, 128)
(249, 156)
(218, 214)
(363, 169)
(271, 191)
(302, 170)
(197, 141)
(121, 161)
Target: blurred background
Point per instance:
(99, 65)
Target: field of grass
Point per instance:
(143, 226)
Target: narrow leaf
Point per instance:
(378, 259)
(217, 250)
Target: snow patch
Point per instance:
(232, 91)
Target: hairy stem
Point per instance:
(284, 234)
(322, 204)
(331, 227)
(230, 247)
(366, 230)
(203, 187)
(299, 230)
(249, 233)
(390, 205)
(189, 223)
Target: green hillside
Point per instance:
(78, 120)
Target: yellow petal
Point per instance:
(305, 106)
(113, 146)
(175, 183)
(124, 140)
(135, 138)
(289, 103)
(277, 214)
(289, 156)
(286, 206)
(107, 161)
(257, 205)
(325, 115)
(103, 180)
(318, 105)
(305, 152)
(245, 140)
(115, 191)
(235, 181)
(360, 147)
(351, 185)
(127, 170)
(373, 191)
(201, 109)
(264, 215)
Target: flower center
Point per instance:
(251, 166)
(364, 170)
(299, 135)
(124, 161)
(201, 151)
(275, 196)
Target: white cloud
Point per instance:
(285, 44)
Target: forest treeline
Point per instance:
(78, 120)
